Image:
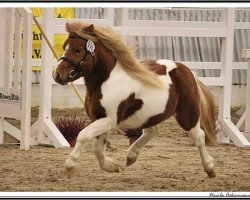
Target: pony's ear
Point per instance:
(90, 29)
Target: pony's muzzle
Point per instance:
(58, 79)
(56, 76)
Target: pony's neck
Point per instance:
(104, 64)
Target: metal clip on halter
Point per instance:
(72, 74)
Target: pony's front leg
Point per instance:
(106, 163)
(136, 147)
(95, 129)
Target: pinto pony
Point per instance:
(125, 93)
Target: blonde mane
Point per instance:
(121, 51)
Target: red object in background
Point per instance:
(70, 126)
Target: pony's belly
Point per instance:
(128, 125)
(132, 122)
(153, 104)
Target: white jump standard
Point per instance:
(22, 86)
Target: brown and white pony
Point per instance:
(125, 93)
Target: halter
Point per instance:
(90, 47)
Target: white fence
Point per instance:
(15, 89)
(245, 118)
(18, 107)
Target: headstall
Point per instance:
(90, 47)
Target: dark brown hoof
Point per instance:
(211, 174)
(69, 170)
(130, 161)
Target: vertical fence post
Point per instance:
(246, 54)
(226, 70)
(26, 81)
(45, 127)
(46, 71)
(17, 50)
(123, 20)
(9, 33)
(230, 130)
(2, 43)
(2, 68)
(110, 15)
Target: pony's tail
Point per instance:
(208, 113)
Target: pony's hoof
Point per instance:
(131, 160)
(69, 170)
(211, 174)
(119, 168)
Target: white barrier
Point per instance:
(15, 98)
(15, 90)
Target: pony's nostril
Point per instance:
(56, 76)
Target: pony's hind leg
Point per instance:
(136, 147)
(106, 163)
(198, 137)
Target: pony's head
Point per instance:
(78, 58)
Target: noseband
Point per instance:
(90, 47)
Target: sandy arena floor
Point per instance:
(168, 163)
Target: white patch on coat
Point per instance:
(170, 65)
(67, 47)
(118, 88)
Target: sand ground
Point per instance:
(168, 163)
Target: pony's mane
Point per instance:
(121, 51)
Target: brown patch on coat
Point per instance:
(188, 106)
(183, 100)
(155, 67)
(94, 79)
(128, 107)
